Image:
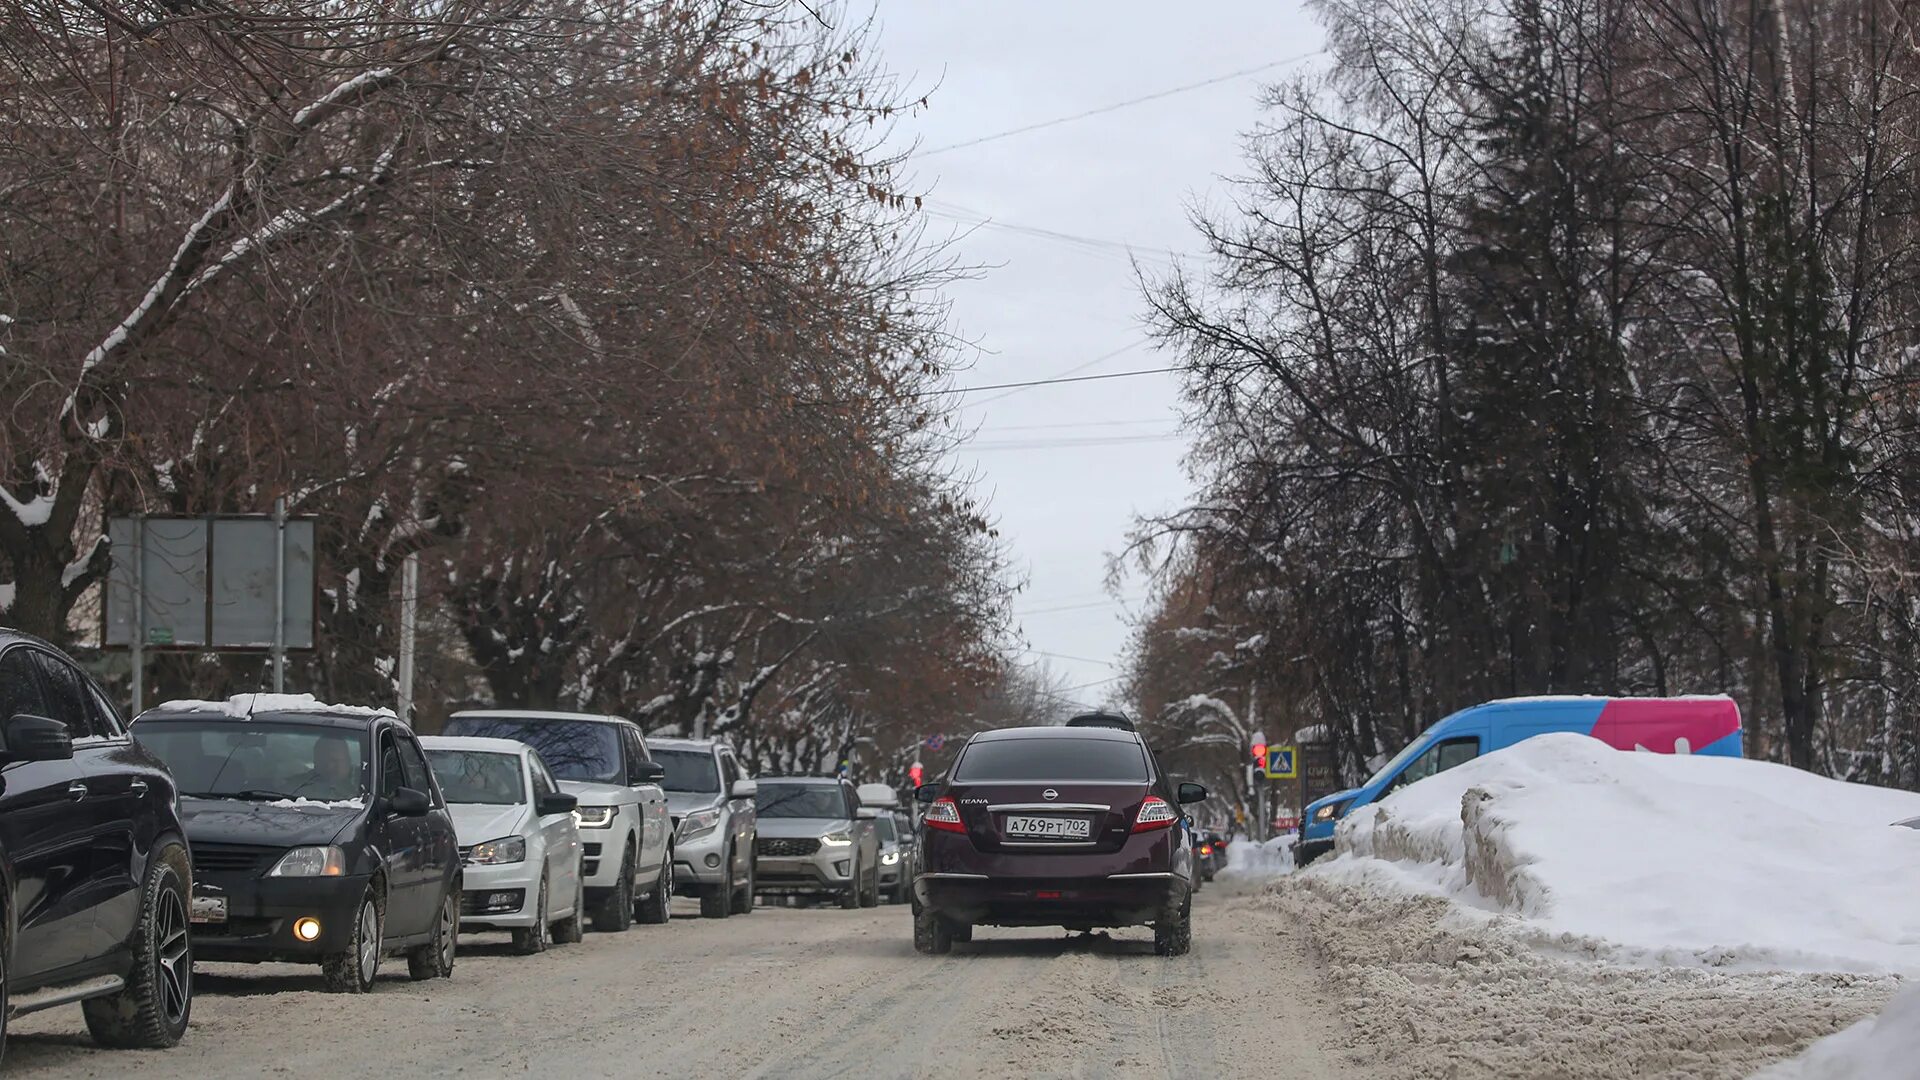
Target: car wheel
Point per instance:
(570, 930)
(528, 940)
(1173, 931)
(657, 908)
(744, 899)
(870, 892)
(850, 896)
(931, 935)
(4, 1006)
(151, 1012)
(434, 960)
(616, 911)
(717, 901)
(351, 970)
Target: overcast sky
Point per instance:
(1067, 469)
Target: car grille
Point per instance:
(233, 858)
(786, 848)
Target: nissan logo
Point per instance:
(1051, 794)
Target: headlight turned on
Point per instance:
(507, 849)
(1329, 811)
(837, 839)
(594, 817)
(890, 858)
(311, 862)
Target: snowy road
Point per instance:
(783, 992)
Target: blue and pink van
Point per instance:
(1687, 725)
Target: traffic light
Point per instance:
(915, 773)
(1260, 755)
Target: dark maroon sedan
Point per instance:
(1055, 826)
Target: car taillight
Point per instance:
(944, 814)
(1206, 849)
(1154, 814)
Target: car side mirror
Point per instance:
(1192, 793)
(745, 789)
(926, 793)
(866, 813)
(36, 738)
(556, 802)
(648, 772)
(406, 802)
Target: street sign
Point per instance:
(935, 742)
(1283, 763)
(210, 583)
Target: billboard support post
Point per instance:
(280, 595)
(138, 641)
(409, 623)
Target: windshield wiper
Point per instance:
(260, 794)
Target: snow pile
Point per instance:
(1257, 859)
(1885, 1047)
(303, 803)
(1704, 860)
(245, 706)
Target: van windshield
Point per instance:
(1420, 742)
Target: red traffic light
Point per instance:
(915, 773)
(1260, 754)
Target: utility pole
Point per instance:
(280, 595)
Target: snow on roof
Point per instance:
(245, 706)
(475, 743)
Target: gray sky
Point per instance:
(1049, 306)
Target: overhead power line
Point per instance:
(1050, 382)
(1118, 105)
(1069, 444)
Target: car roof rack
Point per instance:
(1102, 720)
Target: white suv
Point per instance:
(625, 835)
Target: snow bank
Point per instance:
(1884, 1047)
(1257, 859)
(1675, 859)
(243, 706)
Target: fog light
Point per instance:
(842, 868)
(306, 928)
(713, 860)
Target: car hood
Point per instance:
(801, 826)
(267, 824)
(593, 793)
(478, 822)
(682, 803)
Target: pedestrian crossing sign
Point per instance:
(1282, 763)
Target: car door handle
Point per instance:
(138, 787)
(77, 789)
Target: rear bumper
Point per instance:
(261, 913)
(1127, 900)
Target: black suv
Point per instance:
(93, 857)
(319, 835)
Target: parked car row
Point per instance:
(277, 828)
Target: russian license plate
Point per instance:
(1024, 827)
(208, 909)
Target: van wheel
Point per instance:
(151, 1012)
(434, 960)
(1173, 931)
(870, 893)
(351, 970)
(931, 935)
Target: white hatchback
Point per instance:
(519, 842)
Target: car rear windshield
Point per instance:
(688, 770)
(801, 801)
(478, 776)
(1052, 759)
(572, 749)
(261, 760)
